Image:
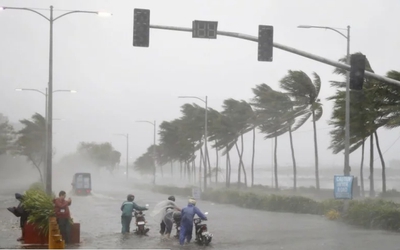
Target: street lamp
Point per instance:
(154, 149)
(51, 20)
(205, 136)
(347, 118)
(127, 151)
(48, 178)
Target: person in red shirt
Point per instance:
(61, 206)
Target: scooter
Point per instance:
(203, 237)
(140, 223)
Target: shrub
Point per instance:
(393, 193)
(40, 208)
(369, 213)
(374, 214)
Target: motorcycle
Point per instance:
(140, 223)
(203, 237)
(177, 221)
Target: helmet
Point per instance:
(171, 198)
(176, 215)
(130, 197)
(192, 201)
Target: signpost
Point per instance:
(343, 187)
(196, 193)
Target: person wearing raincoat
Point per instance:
(187, 216)
(127, 209)
(166, 216)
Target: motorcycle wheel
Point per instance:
(141, 230)
(205, 240)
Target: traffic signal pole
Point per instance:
(288, 49)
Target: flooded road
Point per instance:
(233, 228)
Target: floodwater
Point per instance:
(233, 227)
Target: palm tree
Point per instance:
(240, 113)
(222, 133)
(371, 109)
(272, 108)
(144, 164)
(304, 92)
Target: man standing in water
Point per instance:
(61, 206)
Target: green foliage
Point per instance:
(40, 207)
(369, 213)
(32, 140)
(390, 194)
(37, 186)
(145, 163)
(100, 154)
(6, 135)
(374, 214)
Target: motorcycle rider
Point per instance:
(127, 209)
(187, 216)
(166, 219)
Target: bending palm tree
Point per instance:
(305, 93)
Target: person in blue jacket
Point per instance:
(127, 209)
(187, 216)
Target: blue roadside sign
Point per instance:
(343, 187)
(196, 193)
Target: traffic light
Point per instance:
(141, 27)
(265, 42)
(357, 63)
(204, 29)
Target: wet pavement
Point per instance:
(233, 228)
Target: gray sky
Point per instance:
(118, 83)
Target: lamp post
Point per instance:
(154, 149)
(347, 116)
(205, 136)
(127, 151)
(51, 20)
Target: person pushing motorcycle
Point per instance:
(127, 209)
(187, 215)
(166, 217)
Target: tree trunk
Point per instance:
(180, 164)
(172, 168)
(189, 172)
(252, 157)
(201, 165)
(227, 169)
(230, 170)
(209, 166)
(315, 151)
(162, 172)
(239, 166)
(293, 160)
(37, 165)
(382, 162)
(276, 163)
(241, 159)
(194, 171)
(216, 167)
(371, 167)
(362, 169)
